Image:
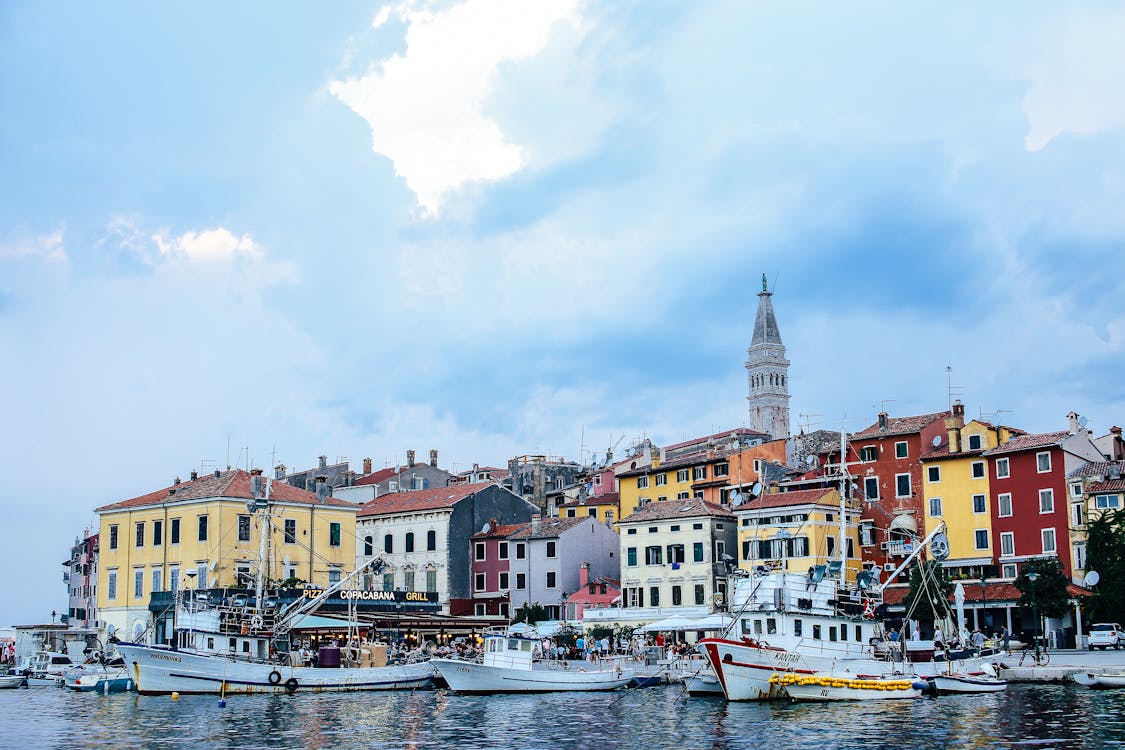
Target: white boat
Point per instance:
(703, 685)
(99, 678)
(11, 681)
(47, 669)
(847, 686)
(509, 665)
(967, 683)
(1100, 680)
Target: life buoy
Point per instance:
(868, 609)
(256, 622)
(275, 677)
(291, 685)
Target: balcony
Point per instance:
(900, 548)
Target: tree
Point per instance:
(1105, 553)
(531, 613)
(929, 582)
(1051, 596)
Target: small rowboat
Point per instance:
(967, 683)
(829, 687)
(1100, 681)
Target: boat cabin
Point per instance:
(513, 651)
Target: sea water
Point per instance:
(1024, 716)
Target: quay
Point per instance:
(1064, 664)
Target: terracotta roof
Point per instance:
(610, 498)
(689, 508)
(994, 591)
(416, 500)
(548, 527)
(679, 462)
(1097, 469)
(900, 425)
(942, 452)
(377, 476)
(501, 531)
(717, 437)
(787, 499)
(1028, 442)
(233, 483)
(1112, 485)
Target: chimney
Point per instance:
(410, 459)
(218, 473)
(194, 475)
(279, 471)
(953, 430)
(536, 523)
(1117, 450)
(492, 524)
(349, 478)
(584, 575)
(366, 466)
(177, 481)
(1072, 422)
(322, 489)
(959, 412)
(171, 490)
(882, 420)
(433, 458)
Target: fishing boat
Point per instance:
(847, 686)
(47, 668)
(967, 683)
(11, 681)
(1100, 680)
(509, 664)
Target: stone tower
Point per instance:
(767, 371)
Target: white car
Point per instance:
(1106, 634)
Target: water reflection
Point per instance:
(1047, 716)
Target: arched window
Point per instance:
(410, 541)
(388, 543)
(368, 546)
(431, 540)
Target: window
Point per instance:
(979, 504)
(592, 512)
(675, 553)
(697, 552)
(699, 472)
(933, 473)
(722, 470)
(291, 532)
(654, 555)
(243, 528)
(113, 537)
(661, 479)
(111, 584)
(368, 546)
(478, 582)
(388, 582)
(174, 531)
(974, 442)
(1079, 556)
(901, 450)
(653, 529)
(1004, 504)
(869, 453)
(140, 533)
(502, 550)
(521, 581)
(334, 576)
(631, 556)
(697, 527)
(503, 581)
(174, 578)
(157, 579)
(1048, 540)
(521, 552)
(683, 495)
(980, 537)
(935, 506)
(480, 609)
(157, 533)
(1043, 462)
(1007, 543)
(1008, 570)
(138, 583)
(682, 475)
(1076, 516)
(478, 551)
(388, 543)
(798, 627)
(551, 579)
(431, 580)
(902, 485)
(1103, 502)
(1002, 470)
(551, 549)
(431, 540)
(1076, 490)
(642, 482)
(654, 596)
(570, 513)
(408, 580)
(677, 596)
(1046, 501)
(201, 525)
(410, 541)
(700, 594)
(334, 534)
(871, 488)
(631, 531)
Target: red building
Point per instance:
(599, 593)
(490, 577)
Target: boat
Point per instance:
(703, 685)
(847, 686)
(1100, 680)
(967, 683)
(47, 668)
(509, 665)
(11, 681)
(110, 680)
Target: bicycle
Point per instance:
(1035, 655)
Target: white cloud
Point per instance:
(427, 107)
(208, 245)
(48, 247)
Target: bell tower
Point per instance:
(767, 372)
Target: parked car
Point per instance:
(1106, 634)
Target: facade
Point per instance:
(200, 535)
(533, 477)
(423, 537)
(547, 553)
(403, 478)
(479, 474)
(592, 594)
(491, 572)
(767, 372)
(1095, 488)
(672, 559)
(81, 578)
(335, 475)
(603, 508)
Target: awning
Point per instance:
(669, 624)
(310, 622)
(904, 522)
(717, 621)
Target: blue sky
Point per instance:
(492, 227)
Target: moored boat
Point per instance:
(11, 681)
(842, 686)
(967, 683)
(1100, 680)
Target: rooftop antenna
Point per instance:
(950, 389)
(806, 421)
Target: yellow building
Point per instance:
(604, 508)
(956, 490)
(801, 528)
(201, 534)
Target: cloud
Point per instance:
(208, 245)
(427, 107)
(47, 247)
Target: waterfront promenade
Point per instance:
(1064, 663)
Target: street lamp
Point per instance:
(1032, 576)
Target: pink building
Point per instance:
(599, 593)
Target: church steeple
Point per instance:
(767, 372)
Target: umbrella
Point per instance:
(669, 623)
(717, 621)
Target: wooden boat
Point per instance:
(1100, 680)
(827, 687)
(967, 683)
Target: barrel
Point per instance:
(328, 656)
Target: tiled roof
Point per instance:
(900, 425)
(1111, 485)
(376, 477)
(502, 530)
(787, 499)
(234, 483)
(1028, 442)
(942, 452)
(548, 527)
(994, 591)
(665, 509)
(717, 437)
(679, 462)
(418, 500)
(610, 498)
(1097, 469)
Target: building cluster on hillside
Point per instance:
(626, 540)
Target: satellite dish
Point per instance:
(810, 459)
(1082, 421)
(735, 499)
(756, 489)
(287, 561)
(1091, 579)
(214, 582)
(211, 567)
(484, 529)
(251, 506)
(936, 441)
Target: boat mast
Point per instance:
(263, 546)
(845, 478)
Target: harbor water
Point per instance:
(1024, 716)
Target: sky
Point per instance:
(256, 233)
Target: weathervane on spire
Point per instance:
(764, 287)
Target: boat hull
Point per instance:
(704, 686)
(819, 694)
(11, 681)
(944, 683)
(158, 671)
(1100, 681)
(472, 677)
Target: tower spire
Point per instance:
(767, 371)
